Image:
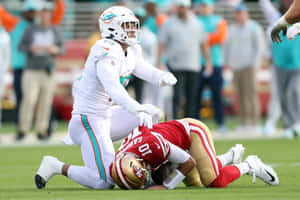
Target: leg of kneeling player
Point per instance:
(92, 135)
(97, 153)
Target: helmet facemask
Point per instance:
(131, 30)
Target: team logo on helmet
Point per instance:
(139, 172)
(108, 17)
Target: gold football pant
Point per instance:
(203, 151)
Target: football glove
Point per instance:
(293, 31)
(167, 79)
(280, 25)
(145, 119)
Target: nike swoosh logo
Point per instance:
(105, 48)
(272, 177)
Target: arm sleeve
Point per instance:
(58, 12)
(144, 70)
(8, 20)
(219, 36)
(109, 77)
(177, 155)
(269, 11)
(26, 40)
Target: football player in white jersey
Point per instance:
(94, 119)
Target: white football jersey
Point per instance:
(90, 96)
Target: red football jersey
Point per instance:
(174, 132)
(152, 145)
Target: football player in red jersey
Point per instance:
(188, 145)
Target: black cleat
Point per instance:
(39, 182)
(20, 136)
(42, 137)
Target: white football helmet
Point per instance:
(116, 22)
(129, 171)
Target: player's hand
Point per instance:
(280, 25)
(156, 113)
(145, 119)
(167, 79)
(293, 31)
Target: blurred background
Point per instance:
(78, 25)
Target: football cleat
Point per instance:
(237, 153)
(261, 170)
(50, 166)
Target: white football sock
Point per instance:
(226, 158)
(243, 167)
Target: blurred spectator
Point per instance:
(41, 43)
(244, 61)
(181, 38)
(151, 94)
(4, 61)
(16, 26)
(217, 29)
(151, 14)
(286, 59)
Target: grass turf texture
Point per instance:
(19, 164)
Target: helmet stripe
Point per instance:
(118, 177)
(121, 174)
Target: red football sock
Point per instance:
(227, 175)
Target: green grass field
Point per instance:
(19, 164)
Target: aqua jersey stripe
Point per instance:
(96, 148)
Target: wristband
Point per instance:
(173, 179)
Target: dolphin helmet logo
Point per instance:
(108, 17)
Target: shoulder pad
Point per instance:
(106, 47)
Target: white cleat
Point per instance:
(237, 153)
(50, 166)
(261, 170)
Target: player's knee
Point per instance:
(193, 179)
(207, 177)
